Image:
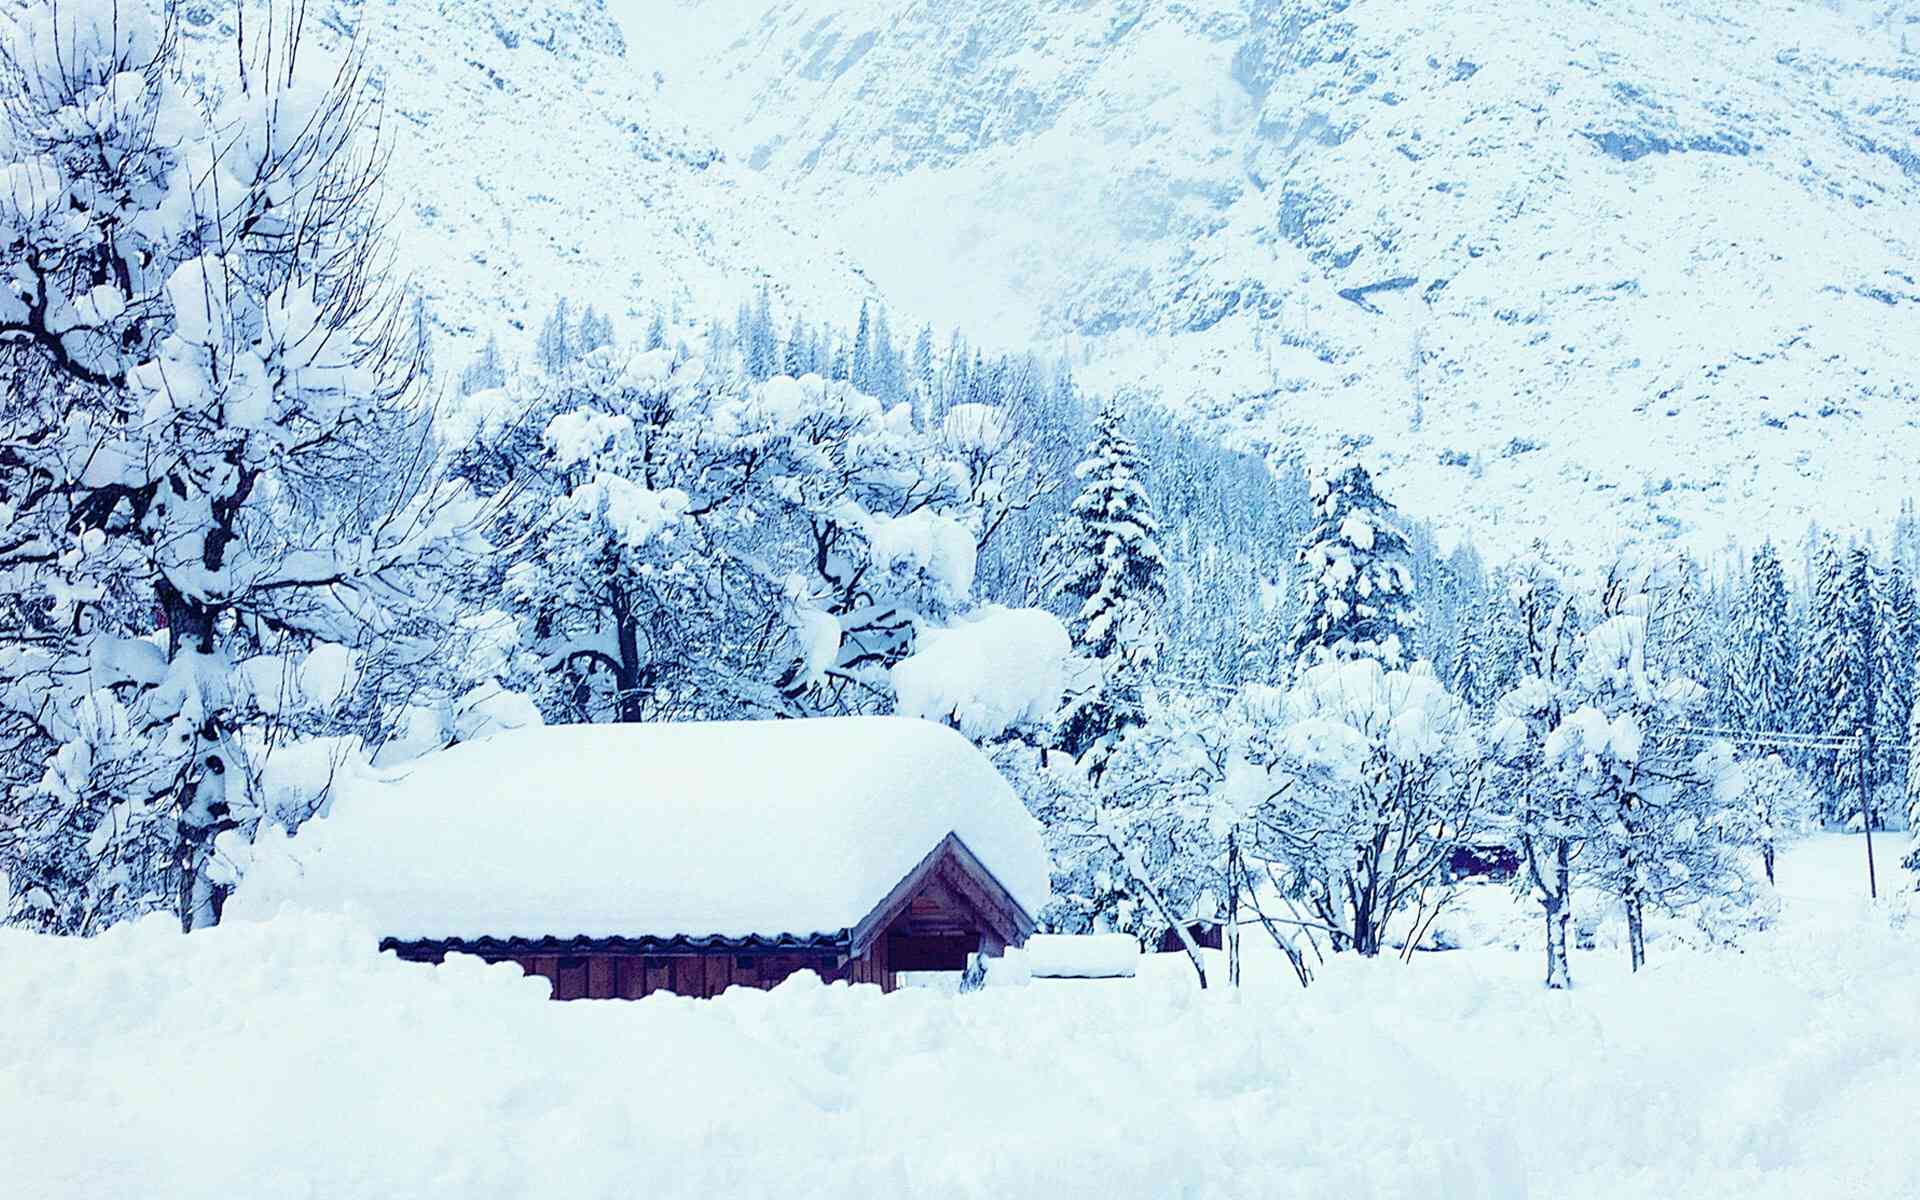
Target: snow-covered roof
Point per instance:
(709, 828)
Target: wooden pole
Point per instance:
(1866, 815)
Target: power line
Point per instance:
(1887, 742)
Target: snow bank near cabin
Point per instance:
(287, 1059)
(729, 828)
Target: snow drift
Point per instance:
(287, 1058)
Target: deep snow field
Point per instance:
(289, 1059)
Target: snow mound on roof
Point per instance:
(729, 828)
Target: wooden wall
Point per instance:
(631, 976)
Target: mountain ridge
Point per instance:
(1548, 271)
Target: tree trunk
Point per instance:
(1559, 913)
(1766, 858)
(1233, 909)
(1636, 928)
(1557, 974)
(200, 801)
(1366, 933)
(1366, 939)
(1631, 896)
(628, 632)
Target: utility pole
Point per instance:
(1865, 747)
(1860, 744)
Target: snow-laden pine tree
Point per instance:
(1109, 573)
(1894, 632)
(796, 359)
(211, 476)
(485, 371)
(1763, 655)
(887, 378)
(555, 348)
(762, 348)
(1827, 674)
(595, 332)
(1354, 580)
(861, 369)
(925, 385)
(1912, 861)
(1469, 648)
(1850, 669)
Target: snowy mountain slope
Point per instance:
(528, 164)
(1574, 270)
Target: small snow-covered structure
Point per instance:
(1082, 956)
(619, 860)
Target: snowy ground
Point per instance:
(289, 1059)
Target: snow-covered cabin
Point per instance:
(618, 860)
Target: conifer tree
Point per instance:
(1823, 678)
(1469, 685)
(1846, 649)
(1906, 538)
(1912, 862)
(923, 380)
(887, 382)
(1893, 666)
(594, 331)
(1354, 583)
(762, 354)
(485, 371)
(1762, 678)
(861, 369)
(797, 359)
(1112, 575)
(553, 350)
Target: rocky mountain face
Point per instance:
(531, 161)
(1562, 269)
